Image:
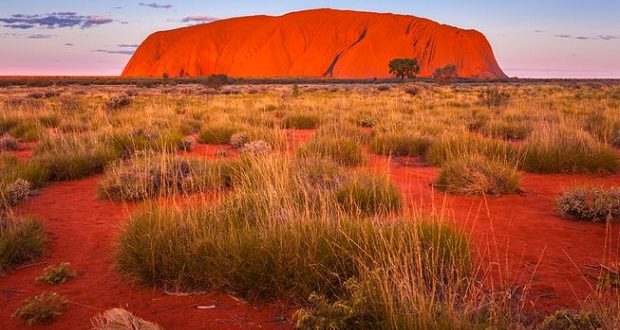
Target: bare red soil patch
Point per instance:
(25, 151)
(82, 230)
(520, 236)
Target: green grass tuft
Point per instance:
(216, 134)
(21, 240)
(369, 194)
(343, 151)
(476, 175)
(400, 144)
(562, 150)
(301, 121)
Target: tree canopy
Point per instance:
(404, 68)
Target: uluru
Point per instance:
(316, 43)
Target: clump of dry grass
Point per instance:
(572, 320)
(343, 151)
(21, 240)
(507, 129)
(164, 175)
(400, 144)
(369, 194)
(477, 175)
(301, 121)
(564, 150)
(464, 145)
(216, 134)
(119, 318)
(74, 157)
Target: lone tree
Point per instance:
(446, 74)
(404, 68)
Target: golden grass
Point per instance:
(306, 222)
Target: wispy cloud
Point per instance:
(40, 36)
(127, 46)
(199, 19)
(53, 20)
(600, 37)
(68, 44)
(155, 5)
(117, 52)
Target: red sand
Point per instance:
(82, 229)
(511, 233)
(313, 43)
(25, 151)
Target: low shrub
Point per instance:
(44, 308)
(256, 148)
(396, 144)
(493, 97)
(8, 143)
(116, 103)
(590, 203)
(301, 121)
(369, 194)
(350, 312)
(341, 150)
(365, 121)
(412, 90)
(477, 175)
(216, 134)
(144, 178)
(571, 320)
(562, 150)
(16, 192)
(21, 240)
(238, 140)
(55, 275)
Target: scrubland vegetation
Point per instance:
(310, 221)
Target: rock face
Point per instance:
(314, 43)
